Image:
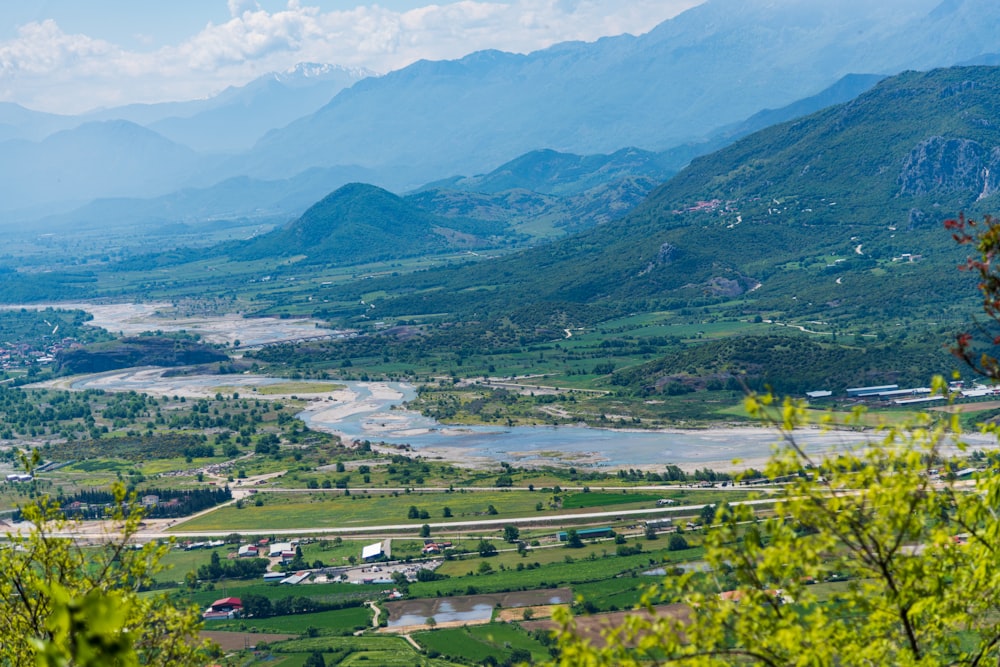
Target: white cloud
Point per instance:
(43, 67)
(237, 7)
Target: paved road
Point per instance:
(456, 489)
(96, 531)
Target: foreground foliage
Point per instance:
(68, 604)
(918, 551)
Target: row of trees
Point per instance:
(238, 568)
(171, 503)
(260, 606)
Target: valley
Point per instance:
(654, 348)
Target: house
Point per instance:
(247, 551)
(224, 608)
(287, 557)
(431, 547)
(150, 500)
(665, 501)
(227, 604)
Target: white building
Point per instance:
(277, 548)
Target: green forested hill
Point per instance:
(835, 216)
(359, 223)
(794, 364)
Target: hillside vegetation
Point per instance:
(836, 215)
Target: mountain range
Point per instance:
(835, 216)
(709, 67)
(677, 85)
(550, 192)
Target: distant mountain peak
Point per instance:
(319, 71)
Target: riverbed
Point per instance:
(372, 411)
(130, 319)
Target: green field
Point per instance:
(554, 574)
(363, 508)
(282, 388)
(326, 593)
(384, 651)
(335, 622)
(478, 642)
(580, 500)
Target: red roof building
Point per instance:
(227, 604)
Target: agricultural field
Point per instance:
(336, 622)
(369, 507)
(384, 651)
(502, 641)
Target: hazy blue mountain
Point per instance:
(568, 192)
(678, 85)
(240, 117)
(707, 68)
(237, 117)
(575, 192)
(53, 163)
(114, 158)
(551, 172)
(17, 122)
(236, 198)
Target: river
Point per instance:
(373, 411)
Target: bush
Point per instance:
(677, 543)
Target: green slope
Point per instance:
(775, 220)
(359, 223)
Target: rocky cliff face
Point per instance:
(949, 165)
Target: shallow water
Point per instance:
(445, 613)
(381, 423)
(377, 416)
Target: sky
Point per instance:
(70, 56)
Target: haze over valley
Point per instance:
(399, 282)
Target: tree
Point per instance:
(920, 553)
(708, 514)
(985, 236)
(399, 578)
(256, 606)
(511, 534)
(425, 530)
(573, 540)
(677, 543)
(486, 548)
(65, 604)
(446, 512)
(315, 659)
